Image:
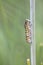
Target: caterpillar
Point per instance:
(27, 26)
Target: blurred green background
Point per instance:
(13, 47)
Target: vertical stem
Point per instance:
(32, 19)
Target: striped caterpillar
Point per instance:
(27, 26)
